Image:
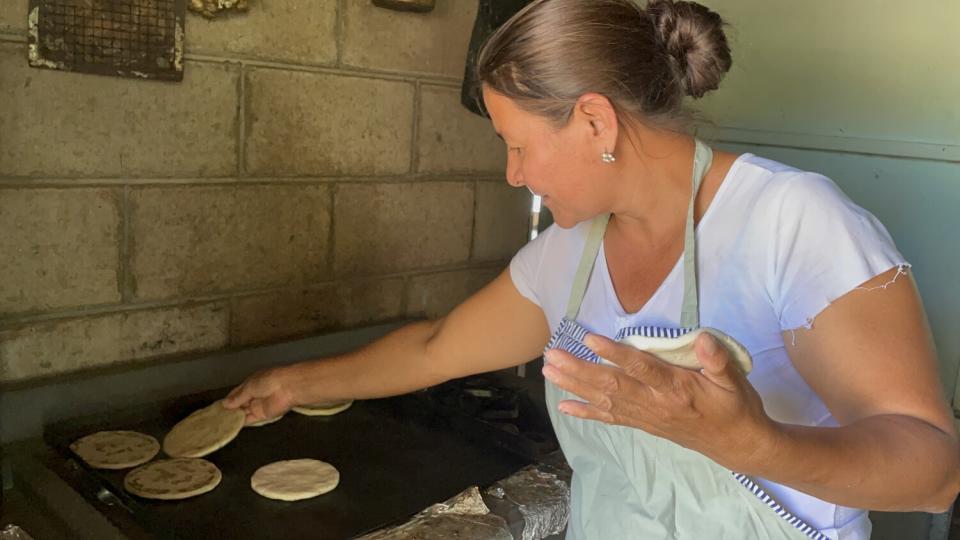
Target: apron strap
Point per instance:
(585, 268)
(690, 309)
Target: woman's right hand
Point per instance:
(264, 395)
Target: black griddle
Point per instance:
(396, 457)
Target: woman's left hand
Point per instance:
(714, 411)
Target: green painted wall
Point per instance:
(868, 93)
(875, 76)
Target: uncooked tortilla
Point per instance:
(323, 409)
(204, 432)
(295, 479)
(680, 352)
(115, 449)
(169, 479)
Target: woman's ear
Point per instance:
(600, 118)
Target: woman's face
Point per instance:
(557, 164)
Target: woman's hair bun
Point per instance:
(693, 39)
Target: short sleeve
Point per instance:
(824, 247)
(525, 266)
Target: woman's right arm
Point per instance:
(493, 329)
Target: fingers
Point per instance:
(241, 397)
(586, 411)
(715, 359)
(589, 411)
(642, 366)
(237, 397)
(577, 379)
(256, 411)
(602, 386)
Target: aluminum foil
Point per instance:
(543, 499)
(12, 532)
(464, 517)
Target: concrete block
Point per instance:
(451, 138)
(434, 295)
(59, 248)
(282, 30)
(395, 227)
(13, 16)
(58, 347)
(503, 220)
(58, 123)
(434, 42)
(333, 306)
(302, 124)
(190, 240)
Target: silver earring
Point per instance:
(607, 157)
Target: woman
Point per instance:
(656, 233)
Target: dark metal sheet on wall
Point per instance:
(127, 38)
(491, 14)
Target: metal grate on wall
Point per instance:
(127, 38)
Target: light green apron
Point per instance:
(630, 484)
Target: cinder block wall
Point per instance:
(313, 171)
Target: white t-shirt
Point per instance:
(774, 248)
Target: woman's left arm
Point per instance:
(870, 357)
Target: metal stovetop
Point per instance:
(396, 457)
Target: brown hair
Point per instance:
(643, 60)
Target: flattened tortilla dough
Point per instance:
(295, 479)
(323, 409)
(204, 432)
(170, 479)
(115, 449)
(680, 352)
